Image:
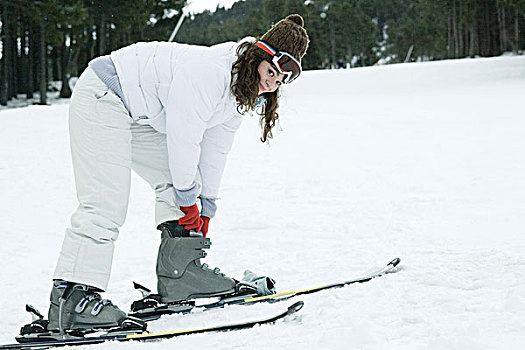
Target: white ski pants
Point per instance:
(105, 145)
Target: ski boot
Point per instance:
(77, 310)
(180, 274)
(182, 277)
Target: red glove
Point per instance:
(192, 219)
(206, 223)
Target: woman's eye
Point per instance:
(271, 73)
(279, 83)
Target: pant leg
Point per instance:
(100, 139)
(150, 161)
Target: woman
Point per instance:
(168, 111)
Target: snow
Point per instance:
(424, 161)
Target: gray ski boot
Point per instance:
(181, 276)
(79, 308)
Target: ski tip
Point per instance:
(395, 262)
(295, 307)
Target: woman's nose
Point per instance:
(272, 83)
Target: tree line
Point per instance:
(53, 40)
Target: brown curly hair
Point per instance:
(245, 87)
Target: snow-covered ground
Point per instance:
(425, 161)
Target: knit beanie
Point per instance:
(288, 35)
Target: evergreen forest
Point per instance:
(53, 40)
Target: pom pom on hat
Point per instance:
(288, 35)
(297, 19)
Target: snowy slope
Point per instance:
(424, 161)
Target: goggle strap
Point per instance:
(265, 47)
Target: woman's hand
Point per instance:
(205, 225)
(192, 220)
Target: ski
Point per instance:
(70, 340)
(150, 307)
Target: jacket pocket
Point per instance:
(158, 121)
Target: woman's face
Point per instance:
(269, 78)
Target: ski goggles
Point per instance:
(284, 62)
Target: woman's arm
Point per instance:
(215, 146)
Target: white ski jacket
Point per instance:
(184, 91)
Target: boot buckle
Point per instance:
(98, 307)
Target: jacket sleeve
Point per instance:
(195, 93)
(215, 146)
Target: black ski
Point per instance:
(69, 340)
(156, 310)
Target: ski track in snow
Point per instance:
(424, 161)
